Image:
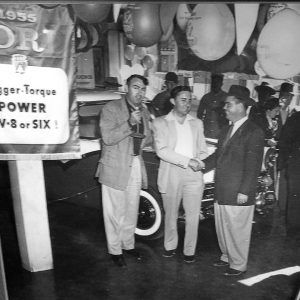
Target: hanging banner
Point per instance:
(38, 112)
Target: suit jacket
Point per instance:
(289, 141)
(165, 138)
(117, 145)
(237, 164)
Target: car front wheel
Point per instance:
(150, 215)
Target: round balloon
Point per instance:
(166, 36)
(129, 52)
(183, 14)
(167, 13)
(211, 31)
(278, 45)
(141, 24)
(148, 62)
(92, 12)
(140, 52)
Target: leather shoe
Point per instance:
(169, 253)
(220, 263)
(233, 272)
(189, 258)
(133, 253)
(118, 260)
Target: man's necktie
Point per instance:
(228, 135)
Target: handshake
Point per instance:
(196, 164)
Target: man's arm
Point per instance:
(253, 160)
(163, 150)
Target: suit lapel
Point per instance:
(240, 131)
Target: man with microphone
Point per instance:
(124, 127)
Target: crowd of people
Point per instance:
(243, 128)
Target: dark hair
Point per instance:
(171, 76)
(144, 79)
(271, 103)
(180, 88)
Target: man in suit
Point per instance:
(210, 109)
(289, 161)
(237, 161)
(124, 126)
(180, 144)
(161, 101)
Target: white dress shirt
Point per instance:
(238, 124)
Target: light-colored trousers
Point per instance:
(233, 227)
(187, 185)
(120, 211)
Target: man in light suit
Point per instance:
(180, 144)
(124, 126)
(237, 162)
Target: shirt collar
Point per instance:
(171, 117)
(240, 122)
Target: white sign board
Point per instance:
(33, 105)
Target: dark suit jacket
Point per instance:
(117, 145)
(237, 164)
(289, 141)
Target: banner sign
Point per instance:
(38, 112)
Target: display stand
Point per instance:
(31, 215)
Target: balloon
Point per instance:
(182, 16)
(141, 24)
(140, 52)
(167, 13)
(245, 20)
(211, 31)
(166, 36)
(92, 12)
(116, 11)
(278, 45)
(148, 62)
(259, 71)
(129, 52)
(137, 69)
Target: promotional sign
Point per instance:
(38, 112)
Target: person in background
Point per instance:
(267, 120)
(210, 109)
(264, 92)
(124, 127)
(161, 101)
(289, 160)
(285, 97)
(237, 162)
(180, 144)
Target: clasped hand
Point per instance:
(196, 165)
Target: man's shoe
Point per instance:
(133, 253)
(220, 263)
(233, 272)
(118, 260)
(169, 253)
(189, 258)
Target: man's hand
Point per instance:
(135, 117)
(242, 198)
(195, 165)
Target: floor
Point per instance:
(83, 270)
